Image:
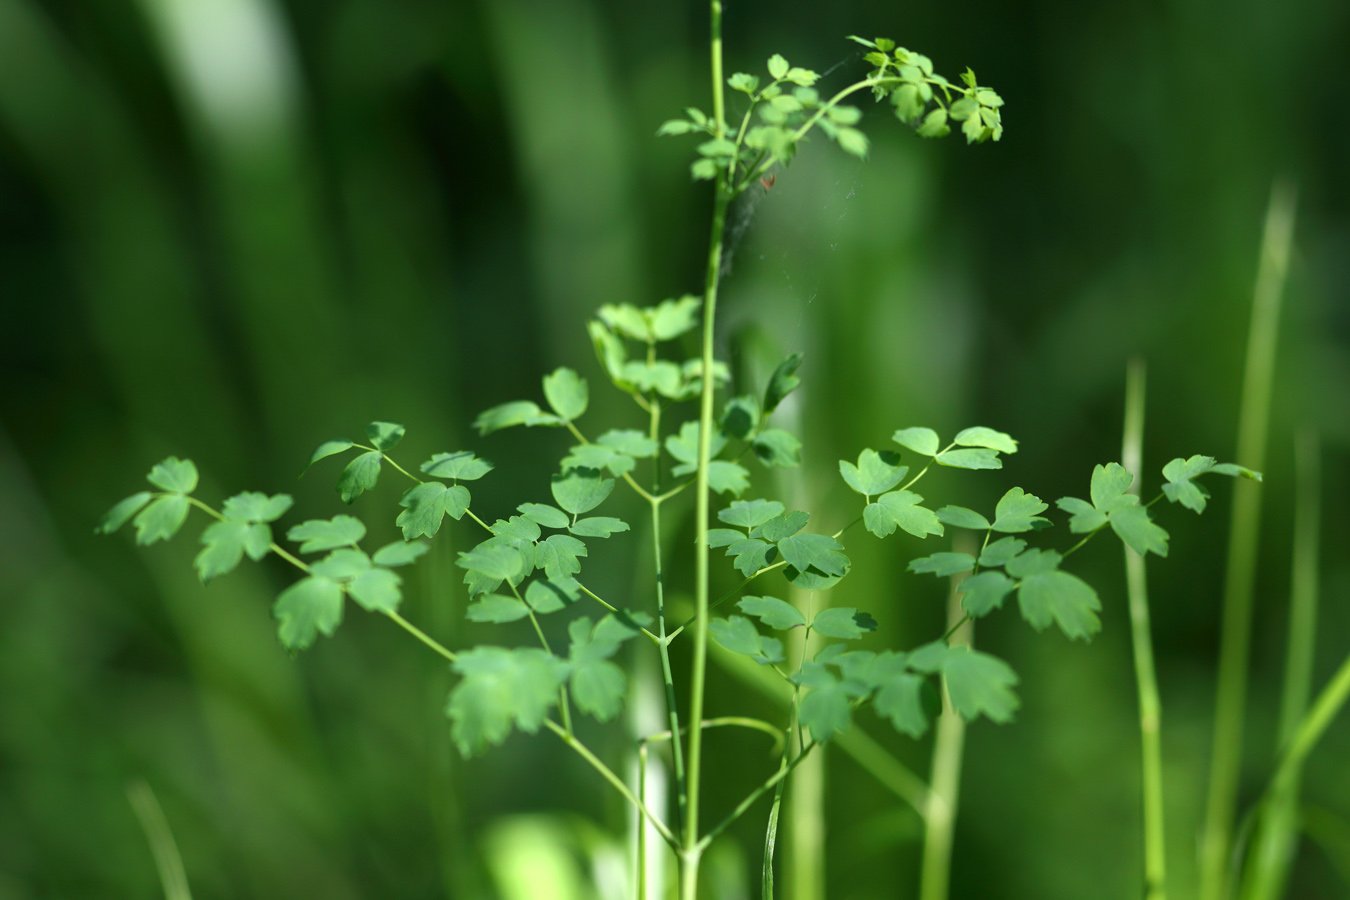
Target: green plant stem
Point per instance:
(948, 744)
(168, 862)
(1276, 839)
(1240, 576)
(750, 799)
(420, 635)
(1146, 679)
(692, 849)
(771, 828)
(771, 730)
(641, 863)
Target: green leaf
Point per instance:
(1109, 485)
(306, 609)
(543, 514)
(580, 490)
(800, 76)
(461, 466)
(1084, 516)
(1180, 487)
(853, 142)
(384, 435)
(934, 125)
(923, 441)
(559, 556)
(751, 513)
(739, 635)
(177, 476)
(359, 476)
(425, 505)
(964, 108)
(724, 537)
(740, 417)
(842, 622)
(928, 657)
(342, 564)
(683, 447)
(671, 318)
(901, 699)
(1019, 511)
(776, 447)
(1136, 528)
(742, 82)
(118, 516)
(400, 553)
(978, 683)
(988, 438)
(318, 535)
(519, 527)
(782, 526)
(517, 412)
(550, 596)
(252, 506)
(501, 689)
(970, 458)
(842, 115)
(703, 170)
(376, 590)
(909, 104)
(626, 319)
(985, 592)
(777, 614)
(1046, 595)
(943, 564)
(598, 686)
(778, 67)
(661, 376)
(827, 710)
(999, 552)
(610, 350)
(751, 555)
(497, 608)
(567, 393)
(900, 508)
(161, 519)
(814, 551)
(782, 382)
(674, 126)
(960, 517)
(598, 456)
(876, 473)
(497, 561)
(225, 546)
(329, 448)
(727, 477)
(864, 41)
(629, 442)
(598, 526)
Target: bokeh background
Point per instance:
(231, 229)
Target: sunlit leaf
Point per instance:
(252, 506)
(120, 514)
(567, 393)
(161, 519)
(501, 689)
(900, 508)
(225, 546)
(986, 437)
(178, 476)
(580, 490)
(1019, 511)
(739, 635)
(960, 517)
(427, 504)
(750, 513)
(970, 458)
(876, 473)
(923, 441)
(461, 466)
(943, 564)
(306, 609)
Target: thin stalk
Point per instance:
(1276, 839)
(690, 857)
(641, 825)
(168, 862)
(1239, 582)
(948, 744)
(771, 829)
(1146, 679)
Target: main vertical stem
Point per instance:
(1146, 679)
(690, 857)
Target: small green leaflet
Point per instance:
(501, 689)
(923, 441)
(329, 448)
(342, 564)
(985, 592)
(661, 376)
(461, 466)
(161, 519)
(519, 527)
(598, 685)
(177, 476)
(559, 556)
(399, 553)
(598, 456)
(550, 596)
(1180, 487)
(384, 435)
(610, 351)
(750, 513)
(671, 318)
(1019, 511)
(1084, 517)
(684, 447)
(781, 526)
(775, 447)
(517, 412)
(978, 683)
(580, 490)
(751, 555)
(827, 710)
(629, 442)
(776, 614)
(1133, 525)
(943, 564)
(225, 546)
(376, 590)
(496, 608)
(567, 393)
(876, 473)
(359, 476)
(1000, 551)
(726, 477)
(724, 537)
(843, 622)
(326, 535)
(901, 694)
(118, 516)
(739, 635)
(740, 416)
(987, 438)
(960, 517)
(782, 382)
(900, 508)
(497, 561)
(306, 609)
(252, 506)
(969, 458)
(545, 515)
(1109, 484)
(427, 504)
(1046, 595)
(814, 551)
(598, 526)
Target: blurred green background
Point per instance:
(231, 229)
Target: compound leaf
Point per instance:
(876, 473)
(900, 508)
(775, 447)
(118, 516)
(978, 683)
(580, 490)
(501, 689)
(776, 614)
(161, 519)
(1180, 487)
(317, 535)
(427, 504)
(739, 635)
(359, 476)
(985, 592)
(306, 609)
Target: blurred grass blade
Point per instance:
(1146, 678)
(162, 846)
(1239, 580)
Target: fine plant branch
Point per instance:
(768, 728)
(749, 801)
(421, 635)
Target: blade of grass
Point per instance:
(162, 845)
(1146, 678)
(1276, 840)
(1239, 581)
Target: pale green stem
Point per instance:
(168, 862)
(723, 722)
(771, 829)
(420, 635)
(1146, 679)
(1239, 582)
(1276, 839)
